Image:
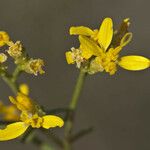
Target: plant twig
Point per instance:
(53, 137)
(72, 107)
(58, 110)
(80, 134)
(16, 73)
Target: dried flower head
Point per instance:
(15, 49)
(74, 56)
(34, 66)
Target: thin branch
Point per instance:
(81, 134)
(55, 138)
(58, 110)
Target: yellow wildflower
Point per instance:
(34, 66)
(101, 49)
(15, 49)
(4, 38)
(9, 113)
(23, 103)
(100, 35)
(30, 116)
(3, 57)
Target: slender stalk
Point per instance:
(72, 107)
(77, 90)
(53, 137)
(8, 80)
(16, 73)
(80, 134)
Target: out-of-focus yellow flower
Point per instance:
(4, 38)
(30, 116)
(24, 103)
(15, 49)
(9, 113)
(23, 88)
(3, 57)
(21, 103)
(34, 66)
(98, 48)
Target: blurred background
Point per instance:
(116, 106)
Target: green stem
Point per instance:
(8, 80)
(16, 73)
(77, 90)
(72, 107)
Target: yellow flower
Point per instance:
(100, 35)
(15, 49)
(101, 48)
(23, 103)
(12, 112)
(30, 116)
(4, 38)
(3, 57)
(9, 113)
(34, 66)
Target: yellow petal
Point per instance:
(69, 57)
(4, 38)
(126, 39)
(24, 89)
(23, 102)
(13, 131)
(105, 33)
(50, 121)
(89, 47)
(134, 62)
(81, 30)
(85, 53)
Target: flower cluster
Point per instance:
(23, 111)
(99, 49)
(16, 51)
(26, 112)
